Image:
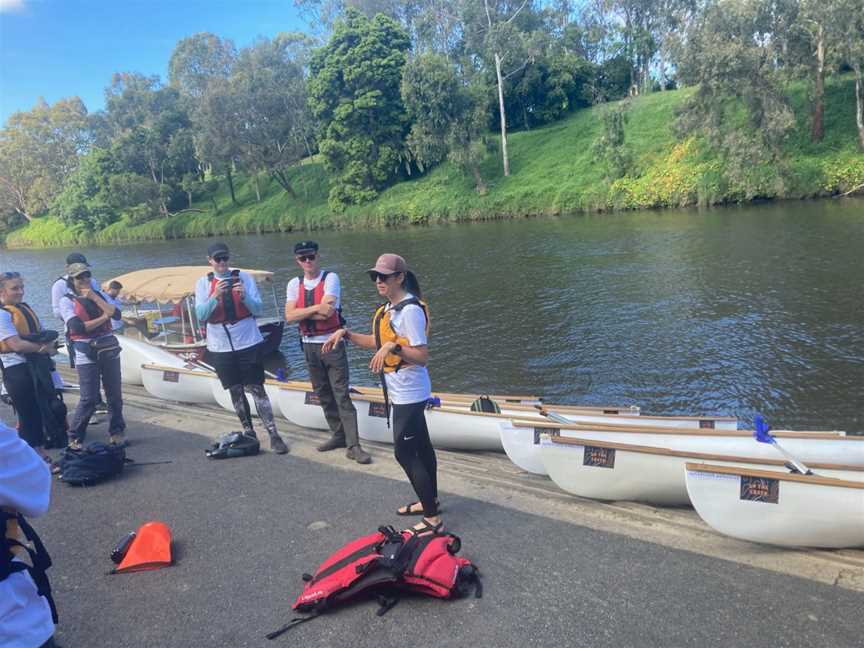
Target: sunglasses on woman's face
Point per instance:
(83, 275)
(378, 276)
(307, 257)
(222, 258)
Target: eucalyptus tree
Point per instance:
(447, 116)
(39, 149)
(268, 93)
(730, 53)
(150, 133)
(199, 68)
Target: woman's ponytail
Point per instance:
(411, 285)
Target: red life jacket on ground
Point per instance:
(86, 310)
(230, 311)
(381, 562)
(306, 298)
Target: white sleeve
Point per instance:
(25, 480)
(58, 289)
(7, 328)
(292, 291)
(67, 309)
(332, 286)
(250, 287)
(413, 325)
(202, 290)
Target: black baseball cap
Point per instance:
(217, 248)
(305, 246)
(76, 257)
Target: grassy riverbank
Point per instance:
(553, 172)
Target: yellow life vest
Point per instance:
(25, 321)
(383, 330)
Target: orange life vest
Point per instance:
(25, 321)
(230, 311)
(383, 330)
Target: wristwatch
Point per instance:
(397, 349)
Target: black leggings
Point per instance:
(22, 391)
(415, 453)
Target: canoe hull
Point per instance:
(522, 445)
(803, 515)
(179, 386)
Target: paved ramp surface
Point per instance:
(558, 571)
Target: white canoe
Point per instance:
(777, 508)
(521, 438)
(136, 353)
(450, 428)
(180, 384)
(298, 403)
(619, 471)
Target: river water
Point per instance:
(726, 311)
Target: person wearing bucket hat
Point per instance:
(318, 311)
(228, 301)
(94, 352)
(400, 332)
(59, 288)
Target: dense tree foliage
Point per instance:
(354, 95)
(390, 88)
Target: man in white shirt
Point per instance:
(112, 293)
(316, 307)
(228, 300)
(26, 619)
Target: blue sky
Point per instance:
(62, 48)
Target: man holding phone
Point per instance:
(228, 301)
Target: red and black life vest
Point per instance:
(306, 298)
(86, 310)
(12, 525)
(227, 311)
(380, 562)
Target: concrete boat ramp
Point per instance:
(558, 570)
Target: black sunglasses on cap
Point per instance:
(11, 275)
(307, 257)
(221, 258)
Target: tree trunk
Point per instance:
(479, 185)
(282, 179)
(859, 104)
(215, 206)
(817, 131)
(504, 155)
(188, 200)
(257, 189)
(231, 184)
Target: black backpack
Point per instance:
(96, 462)
(235, 444)
(485, 404)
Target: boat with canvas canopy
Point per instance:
(162, 311)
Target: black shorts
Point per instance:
(243, 367)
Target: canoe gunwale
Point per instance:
(705, 456)
(818, 480)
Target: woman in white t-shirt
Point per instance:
(400, 339)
